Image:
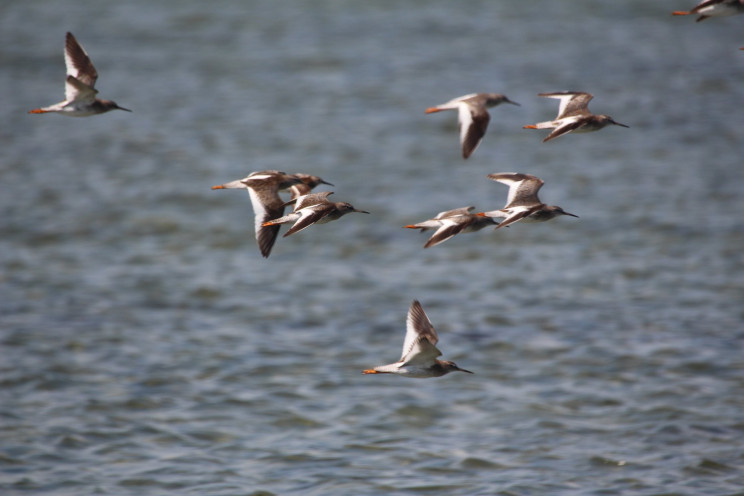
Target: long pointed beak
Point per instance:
(572, 215)
(361, 211)
(122, 108)
(506, 100)
(618, 124)
(326, 182)
(463, 370)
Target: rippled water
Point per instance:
(147, 348)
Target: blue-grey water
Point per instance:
(146, 348)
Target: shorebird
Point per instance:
(452, 222)
(522, 202)
(306, 186)
(314, 208)
(80, 93)
(473, 116)
(419, 358)
(714, 8)
(573, 115)
(264, 187)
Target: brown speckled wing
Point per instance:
(78, 63)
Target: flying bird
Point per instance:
(80, 93)
(472, 112)
(419, 357)
(264, 187)
(452, 222)
(573, 116)
(522, 202)
(313, 208)
(714, 8)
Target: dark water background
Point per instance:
(147, 348)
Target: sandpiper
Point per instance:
(573, 116)
(264, 187)
(714, 8)
(473, 116)
(419, 358)
(313, 208)
(306, 186)
(80, 93)
(522, 202)
(452, 222)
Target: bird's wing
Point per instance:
(266, 207)
(572, 102)
(473, 124)
(78, 91)
(517, 214)
(308, 216)
(566, 125)
(523, 188)
(311, 199)
(454, 212)
(297, 190)
(417, 326)
(450, 227)
(78, 63)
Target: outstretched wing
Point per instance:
(567, 125)
(308, 216)
(78, 63)
(421, 338)
(266, 208)
(450, 227)
(473, 124)
(572, 102)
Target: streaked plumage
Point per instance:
(452, 222)
(714, 8)
(80, 93)
(522, 202)
(419, 357)
(472, 111)
(264, 187)
(313, 208)
(573, 116)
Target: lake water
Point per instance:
(148, 349)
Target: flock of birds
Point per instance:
(419, 356)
